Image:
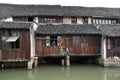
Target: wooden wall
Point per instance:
(23, 52)
(113, 46)
(20, 18)
(93, 46)
(50, 19)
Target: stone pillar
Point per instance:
(67, 60)
(103, 51)
(36, 62)
(63, 62)
(103, 48)
(0, 54)
(29, 65)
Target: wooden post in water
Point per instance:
(67, 60)
(36, 62)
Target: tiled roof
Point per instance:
(67, 29)
(111, 30)
(15, 25)
(7, 10)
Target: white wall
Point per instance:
(67, 20)
(32, 42)
(103, 47)
(10, 19)
(35, 23)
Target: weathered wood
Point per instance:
(90, 48)
(113, 47)
(20, 19)
(23, 52)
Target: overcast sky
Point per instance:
(89, 3)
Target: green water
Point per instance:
(55, 72)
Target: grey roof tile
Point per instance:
(111, 30)
(67, 29)
(15, 25)
(7, 10)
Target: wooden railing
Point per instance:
(72, 50)
(15, 54)
(113, 52)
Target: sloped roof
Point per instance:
(67, 29)
(111, 30)
(90, 11)
(15, 25)
(7, 10)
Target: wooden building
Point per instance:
(77, 38)
(15, 43)
(27, 31)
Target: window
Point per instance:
(14, 33)
(85, 20)
(84, 40)
(30, 19)
(58, 40)
(108, 44)
(115, 42)
(118, 21)
(49, 20)
(47, 40)
(80, 41)
(76, 40)
(16, 44)
(74, 20)
(53, 40)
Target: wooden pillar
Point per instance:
(36, 62)
(67, 60)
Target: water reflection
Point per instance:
(111, 74)
(76, 72)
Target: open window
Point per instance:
(53, 40)
(30, 19)
(74, 20)
(85, 20)
(14, 42)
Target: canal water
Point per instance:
(57, 72)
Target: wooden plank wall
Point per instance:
(22, 53)
(113, 51)
(93, 48)
(20, 19)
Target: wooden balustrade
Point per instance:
(113, 52)
(73, 50)
(15, 54)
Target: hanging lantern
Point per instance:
(62, 40)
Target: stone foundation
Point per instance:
(109, 62)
